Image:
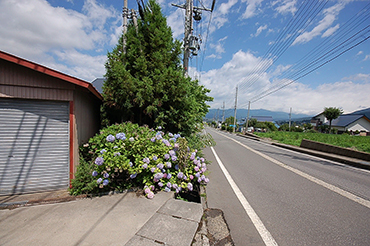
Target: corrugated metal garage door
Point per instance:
(34, 145)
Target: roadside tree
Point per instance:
(332, 113)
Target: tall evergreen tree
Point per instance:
(146, 84)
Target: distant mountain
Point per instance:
(366, 112)
(242, 113)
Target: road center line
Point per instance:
(338, 190)
(264, 233)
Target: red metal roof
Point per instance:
(50, 72)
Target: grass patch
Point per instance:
(359, 143)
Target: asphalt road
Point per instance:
(274, 196)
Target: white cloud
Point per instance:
(252, 8)
(285, 6)
(225, 7)
(176, 21)
(367, 57)
(330, 15)
(39, 32)
(330, 31)
(259, 30)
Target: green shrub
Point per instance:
(126, 155)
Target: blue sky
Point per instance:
(74, 36)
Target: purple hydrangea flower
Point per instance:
(170, 135)
(105, 181)
(152, 139)
(203, 177)
(202, 159)
(206, 180)
(169, 175)
(99, 161)
(146, 160)
(158, 136)
(121, 136)
(155, 158)
(196, 169)
(131, 139)
(117, 154)
(106, 175)
(160, 184)
(169, 185)
(133, 175)
(191, 177)
(195, 162)
(94, 173)
(172, 153)
(197, 175)
(180, 175)
(166, 156)
(167, 189)
(176, 145)
(192, 157)
(152, 169)
(131, 164)
(190, 186)
(102, 151)
(99, 180)
(168, 164)
(174, 158)
(115, 147)
(110, 138)
(159, 128)
(160, 166)
(147, 190)
(144, 166)
(165, 175)
(185, 178)
(158, 176)
(204, 169)
(152, 187)
(199, 180)
(175, 186)
(177, 135)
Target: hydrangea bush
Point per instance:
(126, 155)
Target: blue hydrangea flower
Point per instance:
(110, 138)
(152, 139)
(160, 165)
(106, 175)
(133, 175)
(99, 161)
(102, 151)
(131, 164)
(105, 181)
(170, 135)
(166, 156)
(173, 139)
(158, 136)
(176, 167)
(99, 180)
(180, 175)
(169, 175)
(94, 173)
(167, 189)
(174, 158)
(121, 136)
(168, 164)
(155, 158)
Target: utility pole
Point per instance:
(236, 101)
(249, 107)
(191, 42)
(126, 15)
(223, 112)
(290, 118)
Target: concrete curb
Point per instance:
(334, 157)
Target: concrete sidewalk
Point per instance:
(120, 219)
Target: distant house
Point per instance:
(351, 122)
(345, 122)
(45, 116)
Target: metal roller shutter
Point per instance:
(34, 145)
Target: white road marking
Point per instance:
(264, 233)
(331, 187)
